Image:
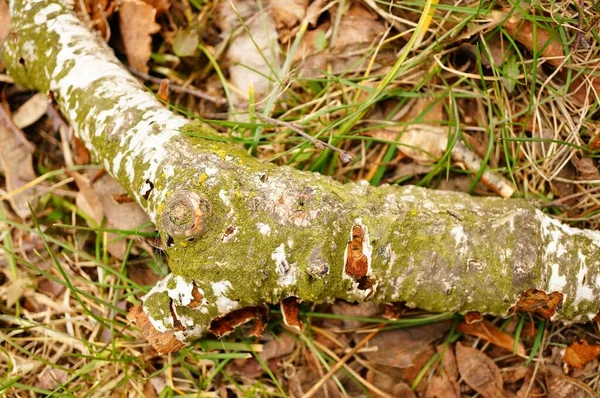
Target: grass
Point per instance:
(64, 330)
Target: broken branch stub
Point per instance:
(264, 233)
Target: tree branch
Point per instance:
(240, 233)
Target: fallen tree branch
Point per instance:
(240, 233)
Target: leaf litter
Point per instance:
(481, 95)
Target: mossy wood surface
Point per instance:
(264, 232)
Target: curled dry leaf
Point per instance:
(579, 353)
(17, 162)
(479, 372)
(489, 332)
(137, 25)
(539, 303)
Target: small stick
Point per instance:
(461, 154)
(345, 156)
(177, 88)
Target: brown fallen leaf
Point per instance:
(559, 385)
(254, 54)
(288, 13)
(4, 20)
(489, 332)
(586, 168)
(442, 387)
(445, 385)
(523, 31)
(279, 347)
(399, 348)
(98, 200)
(582, 88)
(579, 353)
(17, 162)
(479, 372)
(137, 25)
(161, 6)
(359, 29)
(539, 303)
(50, 379)
(368, 309)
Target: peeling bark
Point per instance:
(241, 234)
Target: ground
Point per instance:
(490, 98)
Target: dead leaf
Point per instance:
(186, 42)
(368, 309)
(82, 155)
(31, 111)
(99, 12)
(161, 6)
(560, 385)
(13, 290)
(98, 200)
(358, 30)
(137, 25)
(523, 31)
(359, 26)
(579, 353)
(51, 379)
(399, 348)
(442, 387)
(586, 168)
(425, 141)
(513, 374)
(552, 51)
(537, 302)
(479, 372)
(489, 332)
(561, 187)
(4, 20)
(288, 13)
(254, 53)
(17, 162)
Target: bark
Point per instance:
(241, 233)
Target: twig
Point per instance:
(177, 88)
(345, 156)
(499, 184)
